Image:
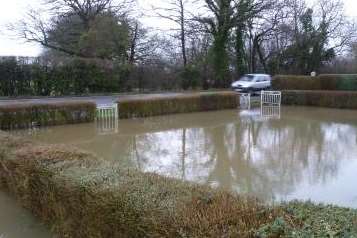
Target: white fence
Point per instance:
(107, 119)
(272, 98)
(107, 111)
(244, 100)
(270, 112)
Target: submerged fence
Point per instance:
(107, 119)
(244, 100)
(271, 98)
(270, 112)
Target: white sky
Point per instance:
(13, 10)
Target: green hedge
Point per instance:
(82, 196)
(177, 104)
(333, 99)
(45, 114)
(340, 82)
(294, 82)
(344, 82)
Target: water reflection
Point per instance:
(303, 153)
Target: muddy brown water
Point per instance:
(293, 153)
(16, 222)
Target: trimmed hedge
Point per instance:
(83, 196)
(177, 104)
(45, 114)
(343, 82)
(295, 82)
(339, 82)
(332, 99)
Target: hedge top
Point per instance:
(343, 82)
(46, 104)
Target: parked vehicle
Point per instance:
(251, 83)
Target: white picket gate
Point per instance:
(270, 112)
(272, 98)
(107, 119)
(107, 111)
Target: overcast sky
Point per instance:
(13, 10)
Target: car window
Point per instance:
(248, 78)
(264, 78)
(260, 79)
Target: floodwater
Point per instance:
(275, 154)
(293, 153)
(16, 222)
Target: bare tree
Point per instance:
(65, 20)
(143, 46)
(340, 31)
(177, 12)
(262, 28)
(88, 10)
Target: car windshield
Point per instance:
(247, 78)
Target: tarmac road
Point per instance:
(99, 100)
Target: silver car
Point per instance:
(250, 83)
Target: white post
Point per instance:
(245, 100)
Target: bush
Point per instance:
(344, 82)
(190, 78)
(177, 104)
(294, 82)
(83, 196)
(83, 77)
(339, 82)
(45, 114)
(333, 99)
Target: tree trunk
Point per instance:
(262, 58)
(220, 59)
(240, 52)
(133, 45)
(183, 33)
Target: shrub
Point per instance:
(177, 104)
(293, 82)
(333, 99)
(45, 114)
(339, 82)
(190, 77)
(83, 196)
(344, 82)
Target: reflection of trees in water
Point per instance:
(275, 156)
(265, 158)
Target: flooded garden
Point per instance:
(276, 154)
(296, 153)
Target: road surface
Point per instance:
(99, 100)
